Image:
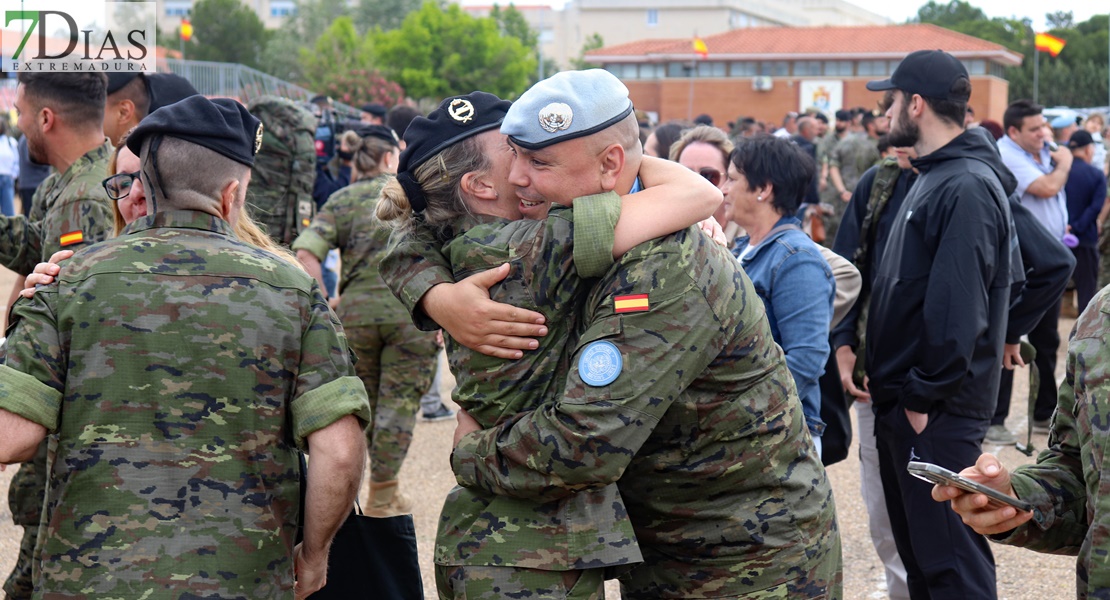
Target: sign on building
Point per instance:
(826, 95)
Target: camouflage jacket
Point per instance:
(701, 429)
(548, 259)
(178, 412)
(70, 209)
(347, 222)
(280, 194)
(854, 155)
(1071, 505)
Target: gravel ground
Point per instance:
(1022, 575)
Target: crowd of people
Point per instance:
(657, 337)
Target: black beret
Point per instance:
(456, 119)
(221, 125)
(167, 88)
(843, 115)
(375, 109)
(117, 79)
(377, 131)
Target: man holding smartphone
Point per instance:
(1066, 486)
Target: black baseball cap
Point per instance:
(928, 73)
(843, 115)
(1080, 139)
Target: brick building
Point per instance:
(767, 71)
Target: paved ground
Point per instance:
(1022, 575)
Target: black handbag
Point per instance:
(373, 558)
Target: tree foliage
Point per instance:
(438, 51)
(592, 43)
(226, 31)
(341, 65)
(382, 14)
(1077, 77)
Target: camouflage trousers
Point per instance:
(25, 498)
(504, 583)
(396, 364)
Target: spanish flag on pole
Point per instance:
(700, 48)
(1047, 43)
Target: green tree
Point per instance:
(592, 43)
(341, 65)
(281, 55)
(226, 31)
(439, 51)
(1061, 19)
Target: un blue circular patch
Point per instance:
(600, 364)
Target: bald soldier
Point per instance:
(675, 391)
(178, 414)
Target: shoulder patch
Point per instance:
(632, 303)
(600, 363)
(73, 237)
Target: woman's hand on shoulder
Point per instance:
(44, 273)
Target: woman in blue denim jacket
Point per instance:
(767, 179)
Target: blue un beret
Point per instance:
(568, 105)
(221, 125)
(456, 119)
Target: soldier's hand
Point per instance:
(465, 311)
(975, 509)
(311, 572)
(1011, 356)
(845, 364)
(44, 273)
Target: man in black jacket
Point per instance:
(937, 321)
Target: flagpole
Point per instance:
(1036, 72)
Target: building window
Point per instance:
(744, 69)
(652, 17)
(282, 8)
(838, 68)
(997, 70)
(652, 71)
(976, 66)
(803, 68)
(711, 69)
(623, 71)
(678, 69)
(774, 68)
(872, 68)
(178, 8)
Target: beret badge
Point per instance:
(556, 117)
(461, 110)
(258, 139)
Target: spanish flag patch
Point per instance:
(633, 303)
(73, 237)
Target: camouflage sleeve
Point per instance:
(835, 152)
(1056, 485)
(411, 265)
(322, 234)
(20, 244)
(586, 438)
(595, 220)
(33, 377)
(81, 221)
(327, 389)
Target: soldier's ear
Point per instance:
(478, 185)
(611, 163)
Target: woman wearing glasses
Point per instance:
(766, 181)
(705, 149)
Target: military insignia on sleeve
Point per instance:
(556, 117)
(71, 238)
(633, 303)
(600, 364)
(258, 139)
(461, 110)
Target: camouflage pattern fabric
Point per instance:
(853, 155)
(396, 364)
(73, 201)
(492, 583)
(280, 194)
(1066, 486)
(65, 203)
(702, 431)
(548, 259)
(178, 414)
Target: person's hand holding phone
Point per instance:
(977, 510)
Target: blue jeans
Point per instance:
(7, 195)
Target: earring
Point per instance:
(759, 198)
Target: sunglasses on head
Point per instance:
(710, 174)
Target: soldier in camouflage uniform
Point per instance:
(70, 210)
(280, 197)
(178, 418)
(735, 415)
(396, 360)
(848, 161)
(539, 547)
(1066, 486)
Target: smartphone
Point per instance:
(941, 476)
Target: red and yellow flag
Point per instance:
(633, 303)
(700, 48)
(1051, 44)
(73, 237)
